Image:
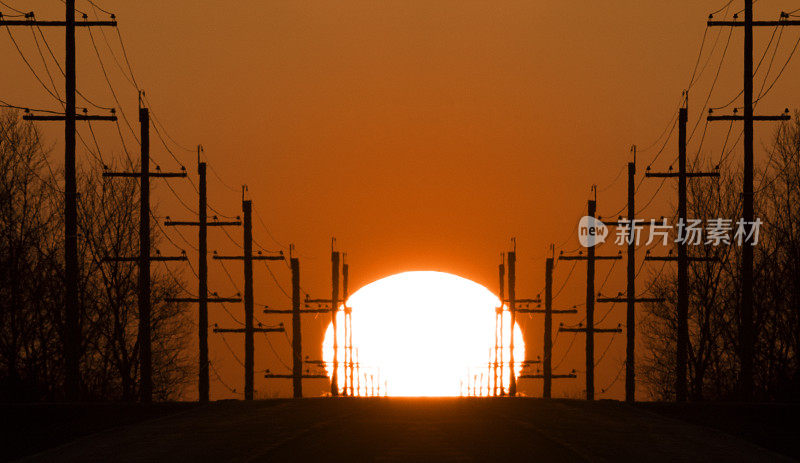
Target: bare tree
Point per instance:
(714, 292)
(31, 283)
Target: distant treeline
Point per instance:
(32, 286)
(714, 287)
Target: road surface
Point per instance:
(410, 430)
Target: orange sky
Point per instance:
(423, 135)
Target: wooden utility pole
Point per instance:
(547, 360)
(746, 328)
(590, 329)
(334, 310)
(297, 374)
(548, 312)
(297, 333)
(630, 318)
(72, 331)
(682, 341)
(498, 355)
(249, 329)
(348, 325)
(203, 298)
(512, 310)
(630, 298)
(144, 338)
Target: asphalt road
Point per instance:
(411, 430)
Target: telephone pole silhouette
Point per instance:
(683, 259)
(297, 374)
(333, 309)
(512, 310)
(746, 328)
(144, 299)
(72, 330)
(546, 362)
(203, 297)
(630, 298)
(498, 332)
(249, 329)
(590, 329)
(512, 301)
(348, 329)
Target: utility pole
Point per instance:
(72, 330)
(348, 325)
(682, 344)
(334, 310)
(746, 328)
(548, 328)
(548, 312)
(249, 329)
(590, 329)
(297, 375)
(334, 306)
(297, 340)
(144, 298)
(630, 298)
(203, 297)
(498, 354)
(512, 309)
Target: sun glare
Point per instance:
(422, 334)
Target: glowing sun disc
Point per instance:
(422, 334)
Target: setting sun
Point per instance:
(422, 334)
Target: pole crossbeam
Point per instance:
(289, 311)
(552, 376)
(78, 117)
(304, 376)
(544, 311)
(678, 175)
(207, 299)
(782, 117)
(177, 223)
(39, 23)
(625, 299)
(147, 174)
(781, 22)
(256, 257)
(274, 329)
(150, 259)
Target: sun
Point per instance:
(422, 334)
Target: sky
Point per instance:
(423, 135)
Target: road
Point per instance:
(397, 429)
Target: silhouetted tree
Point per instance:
(31, 283)
(714, 292)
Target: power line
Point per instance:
(224, 384)
(277, 282)
(762, 95)
(28, 64)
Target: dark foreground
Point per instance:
(409, 430)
